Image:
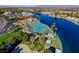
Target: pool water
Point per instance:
(39, 27)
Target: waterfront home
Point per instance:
(50, 36)
(48, 42)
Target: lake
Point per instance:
(67, 31)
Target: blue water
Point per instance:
(67, 31)
(39, 27)
(44, 18)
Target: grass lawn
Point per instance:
(4, 37)
(56, 42)
(8, 36)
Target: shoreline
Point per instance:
(59, 41)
